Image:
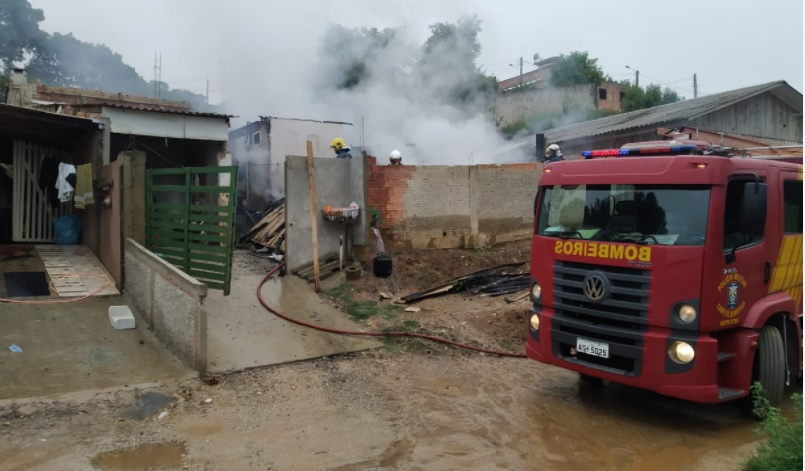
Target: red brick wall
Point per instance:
(453, 206)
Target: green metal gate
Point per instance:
(190, 220)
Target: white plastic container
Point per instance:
(121, 317)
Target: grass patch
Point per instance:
(783, 449)
(362, 310)
(410, 344)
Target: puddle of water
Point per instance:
(150, 456)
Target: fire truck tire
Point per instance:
(769, 365)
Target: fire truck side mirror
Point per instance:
(753, 209)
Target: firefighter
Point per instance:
(340, 148)
(395, 158)
(553, 154)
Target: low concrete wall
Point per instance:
(170, 301)
(443, 207)
(339, 182)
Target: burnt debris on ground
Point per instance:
(495, 281)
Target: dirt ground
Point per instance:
(409, 406)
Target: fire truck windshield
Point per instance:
(642, 214)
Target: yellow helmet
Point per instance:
(338, 143)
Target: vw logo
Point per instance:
(595, 287)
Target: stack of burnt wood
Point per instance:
(268, 235)
(496, 281)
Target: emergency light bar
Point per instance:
(679, 149)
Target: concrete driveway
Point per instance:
(241, 334)
(70, 347)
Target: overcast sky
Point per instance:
(262, 50)
(728, 43)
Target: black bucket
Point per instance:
(382, 265)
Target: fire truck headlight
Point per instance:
(687, 314)
(681, 352)
(536, 291)
(534, 321)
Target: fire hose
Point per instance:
(331, 330)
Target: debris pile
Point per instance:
(495, 281)
(268, 235)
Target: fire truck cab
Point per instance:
(670, 266)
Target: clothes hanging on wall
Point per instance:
(48, 174)
(65, 182)
(83, 186)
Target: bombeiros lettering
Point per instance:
(603, 250)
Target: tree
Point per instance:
(637, 98)
(19, 32)
(576, 69)
(350, 53)
(65, 61)
(448, 63)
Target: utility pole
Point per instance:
(208, 91)
(636, 76)
(695, 87)
(521, 71)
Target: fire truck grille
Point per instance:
(618, 320)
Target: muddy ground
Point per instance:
(408, 406)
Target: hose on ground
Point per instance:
(331, 330)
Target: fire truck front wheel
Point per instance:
(769, 366)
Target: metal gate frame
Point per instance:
(198, 238)
(32, 217)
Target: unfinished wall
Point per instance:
(171, 302)
(339, 182)
(513, 106)
(133, 195)
(102, 223)
(455, 206)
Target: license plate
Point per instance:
(598, 349)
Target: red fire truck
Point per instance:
(671, 267)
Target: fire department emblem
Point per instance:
(732, 295)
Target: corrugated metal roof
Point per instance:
(154, 109)
(682, 110)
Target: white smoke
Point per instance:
(399, 107)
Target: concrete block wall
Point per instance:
(505, 195)
(455, 206)
(171, 302)
(339, 182)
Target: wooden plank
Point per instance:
(311, 178)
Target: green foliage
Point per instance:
(783, 449)
(351, 49)
(362, 310)
(575, 69)
(638, 98)
(459, 40)
(450, 53)
(445, 63)
(65, 61)
(19, 32)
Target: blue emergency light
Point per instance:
(680, 149)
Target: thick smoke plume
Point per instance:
(404, 99)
